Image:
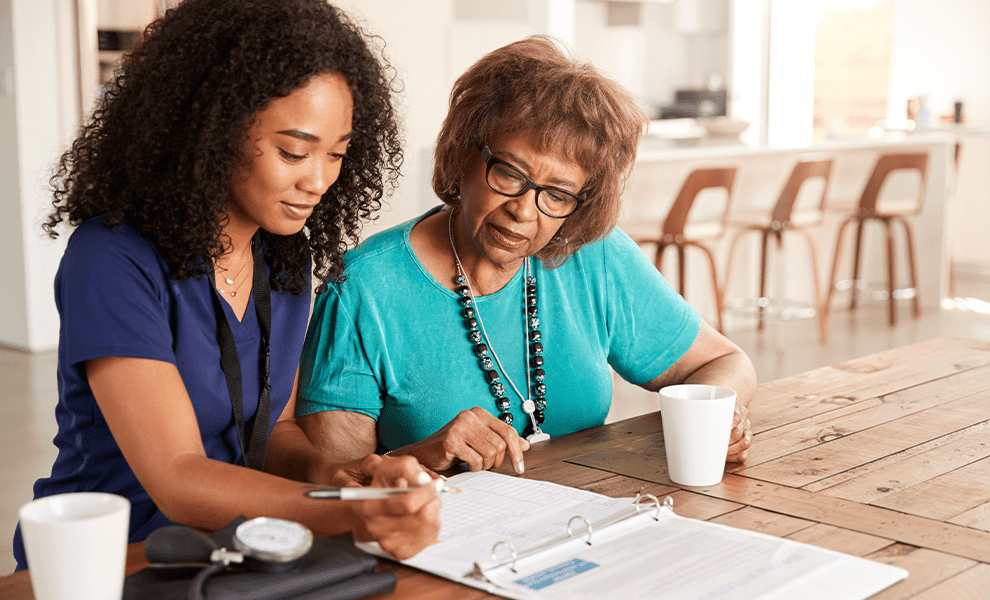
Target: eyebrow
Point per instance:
(309, 137)
(519, 162)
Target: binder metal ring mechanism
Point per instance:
(652, 502)
(587, 524)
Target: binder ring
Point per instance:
(587, 524)
(512, 553)
(655, 504)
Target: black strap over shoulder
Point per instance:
(253, 447)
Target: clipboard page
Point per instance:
(633, 556)
(493, 508)
(679, 558)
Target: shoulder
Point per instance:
(93, 241)
(615, 245)
(382, 249)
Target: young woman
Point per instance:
(234, 154)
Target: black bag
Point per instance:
(333, 569)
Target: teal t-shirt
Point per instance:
(390, 341)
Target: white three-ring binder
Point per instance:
(527, 539)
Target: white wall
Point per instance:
(941, 50)
(34, 123)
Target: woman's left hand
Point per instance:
(741, 437)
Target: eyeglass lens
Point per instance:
(510, 181)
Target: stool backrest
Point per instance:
(802, 172)
(697, 180)
(887, 164)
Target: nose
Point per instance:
(523, 208)
(320, 177)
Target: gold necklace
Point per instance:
(230, 281)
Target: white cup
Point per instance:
(697, 422)
(76, 545)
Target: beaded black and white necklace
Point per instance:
(534, 407)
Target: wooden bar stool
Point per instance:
(785, 217)
(680, 232)
(887, 213)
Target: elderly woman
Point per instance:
(498, 315)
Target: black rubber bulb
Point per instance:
(178, 544)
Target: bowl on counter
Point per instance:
(723, 126)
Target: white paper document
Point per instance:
(509, 536)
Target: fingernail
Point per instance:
(439, 484)
(423, 478)
(520, 468)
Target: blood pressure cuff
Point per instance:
(333, 569)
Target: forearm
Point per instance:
(291, 455)
(341, 436)
(734, 371)
(713, 360)
(208, 494)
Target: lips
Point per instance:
(299, 211)
(507, 238)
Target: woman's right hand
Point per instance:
(403, 524)
(475, 437)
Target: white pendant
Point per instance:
(535, 438)
(529, 407)
(229, 281)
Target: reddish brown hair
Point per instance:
(535, 86)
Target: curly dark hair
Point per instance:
(158, 150)
(536, 85)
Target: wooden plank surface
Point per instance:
(863, 415)
(885, 456)
(866, 446)
(872, 520)
(926, 569)
(800, 396)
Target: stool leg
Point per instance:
(763, 279)
(827, 306)
(857, 251)
(779, 284)
(728, 264)
(718, 295)
(681, 278)
(817, 285)
(916, 301)
(891, 303)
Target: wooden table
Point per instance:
(885, 457)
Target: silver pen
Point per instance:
(375, 493)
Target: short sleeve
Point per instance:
(335, 373)
(112, 294)
(650, 326)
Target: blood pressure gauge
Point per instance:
(273, 540)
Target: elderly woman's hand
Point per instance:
(405, 523)
(475, 437)
(741, 437)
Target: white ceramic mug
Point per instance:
(76, 545)
(697, 422)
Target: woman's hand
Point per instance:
(403, 524)
(741, 437)
(399, 471)
(474, 436)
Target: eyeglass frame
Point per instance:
(491, 160)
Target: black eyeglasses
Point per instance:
(506, 179)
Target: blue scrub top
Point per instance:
(115, 298)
